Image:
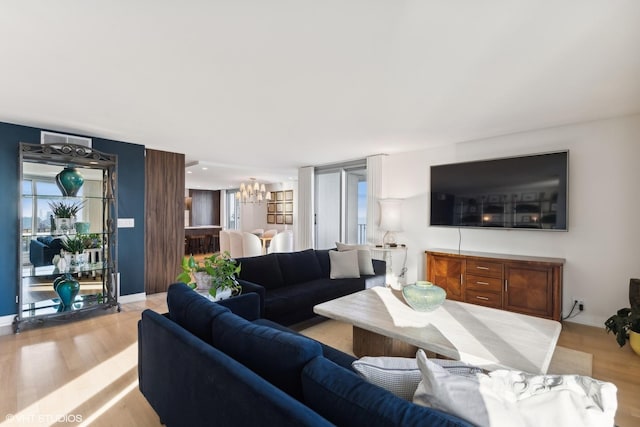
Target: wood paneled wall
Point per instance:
(164, 219)
(205, 207)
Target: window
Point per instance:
(233, 211)
(340, 204)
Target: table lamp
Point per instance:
(390, 220)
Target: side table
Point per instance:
(393, 278)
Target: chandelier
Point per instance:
(253, 192)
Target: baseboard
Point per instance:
(6, 324)
(124, 299)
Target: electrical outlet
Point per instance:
(579, 303)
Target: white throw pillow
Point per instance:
(401, 375)
(513, 398)
(344, 265)
(364, 256)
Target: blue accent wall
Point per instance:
(131, 185)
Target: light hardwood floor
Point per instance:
(87, 371)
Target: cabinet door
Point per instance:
(447, 273)
(529, 289)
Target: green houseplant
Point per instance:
(73, 245)
(220, 268)
(624, 323)
(65, 210)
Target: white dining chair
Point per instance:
(225, 241)
(282, 242)
(235, 246)
(251, 245)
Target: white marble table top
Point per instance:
(486, 337)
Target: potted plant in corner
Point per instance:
(216, 273)
(625, 324)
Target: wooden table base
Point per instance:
(367, 343)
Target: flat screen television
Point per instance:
(518, 192)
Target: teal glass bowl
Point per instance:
(424, 296)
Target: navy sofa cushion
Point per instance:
(264, 270)
(346, 399)
(299, 267)
(336, 356)
(191, 383)
(279, 302)
(275, 355)
(192, 311)
(324, 261)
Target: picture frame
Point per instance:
(279, 196)
(288, 218)
(271, 208)
(288, 207)
(271, 219)
(525, 218)
(529, 197)
(288, 195)
(279, 219)
(279, 207)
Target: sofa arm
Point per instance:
(248, 287)
(244, 305)
(189, 382)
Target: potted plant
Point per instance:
(625, 324)
(75, 247)
(64, 214)
(216, 273)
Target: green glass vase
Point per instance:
(424, 296)
(67, 288)
(69, 181)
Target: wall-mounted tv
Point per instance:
(518, 192)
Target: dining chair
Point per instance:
(251, 245)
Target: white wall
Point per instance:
(602, 246)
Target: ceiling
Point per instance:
(254, 88)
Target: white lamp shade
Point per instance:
(390, 214)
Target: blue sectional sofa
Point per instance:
(43, 249)
(291, 284)
(208, 363)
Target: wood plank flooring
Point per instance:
(85, 372)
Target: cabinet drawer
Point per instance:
(483, 268)
(480, 283)
(488, 299)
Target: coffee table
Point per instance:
(384, 325)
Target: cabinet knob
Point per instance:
(482, 283)
(479, 267)
(482, 298)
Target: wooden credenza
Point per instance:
(523, 284)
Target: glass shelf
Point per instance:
(53, 306)
(50, 270)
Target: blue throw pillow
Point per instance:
(192, 311)
(299, 267)
(275, 355)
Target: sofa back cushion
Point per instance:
(275, 355)
(299, 267)
(192, 311)
(344, 398)
(324, 261)
(263, 270)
